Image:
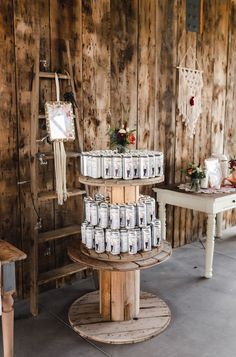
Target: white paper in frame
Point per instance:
(60, 121)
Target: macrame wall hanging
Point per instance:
(60, 127)
(189, 94)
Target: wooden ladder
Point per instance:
(38, 198)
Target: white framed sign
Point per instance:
(60, 121)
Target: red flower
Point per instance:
(232, 163)
(131, 139)
(192, 101)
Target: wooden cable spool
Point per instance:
(115, 315)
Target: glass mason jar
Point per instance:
(195, 185)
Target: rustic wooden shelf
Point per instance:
(51, 195)
(123, 257)
(51, 75)
(59, 233)
(111, 182)
(76, 255)
(50, 155)
(61, 272)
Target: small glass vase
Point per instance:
(195, 185)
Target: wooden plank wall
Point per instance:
(124, 55)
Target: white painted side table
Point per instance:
(211, 204)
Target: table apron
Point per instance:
(199, 203)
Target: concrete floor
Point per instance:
(203, 311)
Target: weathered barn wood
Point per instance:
(124, 57)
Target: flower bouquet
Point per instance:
(120, 138)
(196, 173)
(232, 168)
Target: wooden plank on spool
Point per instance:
(77, 255)
(105, 294)
(131, 194)
(117, 194)
(115, 182)
(118, 283)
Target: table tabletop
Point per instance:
(9, 253)
(203, 202)
(175, 188)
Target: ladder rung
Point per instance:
(51, 75)
(59, 233)
(50, 155)
(51, 195)
(61, 272)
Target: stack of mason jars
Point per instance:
(120, 228)
(108, 164)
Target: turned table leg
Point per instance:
(162, 217)
(8, 323)
(219, 222)
(210, 242)
(8, 289)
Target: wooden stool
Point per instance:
(8, 256)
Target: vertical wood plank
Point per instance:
(105, 294)
(229, 129)
(219, 79)
(117, 195)
(118, 284)
(205, 57)
(25, 23)
(124, 62)
(96, 73)
(165, 117)
(146, 74)
(131, 194)
(10, 228)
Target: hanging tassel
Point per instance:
(60, 171)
